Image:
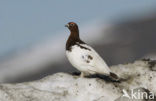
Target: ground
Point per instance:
(139, 79)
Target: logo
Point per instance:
(137, 94)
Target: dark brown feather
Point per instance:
(74, 36)
(114, 76)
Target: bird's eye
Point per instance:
(72, 24)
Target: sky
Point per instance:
(26, 22)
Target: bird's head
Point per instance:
(72, 26)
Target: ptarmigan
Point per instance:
(83, 57)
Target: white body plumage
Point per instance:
(87, 60)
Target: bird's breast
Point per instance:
(76, 55)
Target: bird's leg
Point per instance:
(82, 75)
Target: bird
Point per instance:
(83, 57)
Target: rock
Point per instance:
(140, 79)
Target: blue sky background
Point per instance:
(25, 22)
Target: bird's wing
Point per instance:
(93, 61)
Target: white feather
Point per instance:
(78, 57)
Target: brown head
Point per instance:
(74, 35)
(72, 26)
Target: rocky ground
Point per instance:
(139, 84)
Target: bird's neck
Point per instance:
(74, 35)
(73, 39)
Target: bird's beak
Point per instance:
(67, 25)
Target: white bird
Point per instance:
(83, 57)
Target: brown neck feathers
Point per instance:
(73, 38)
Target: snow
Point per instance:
(66, 87)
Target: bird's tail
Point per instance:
(114, 76)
